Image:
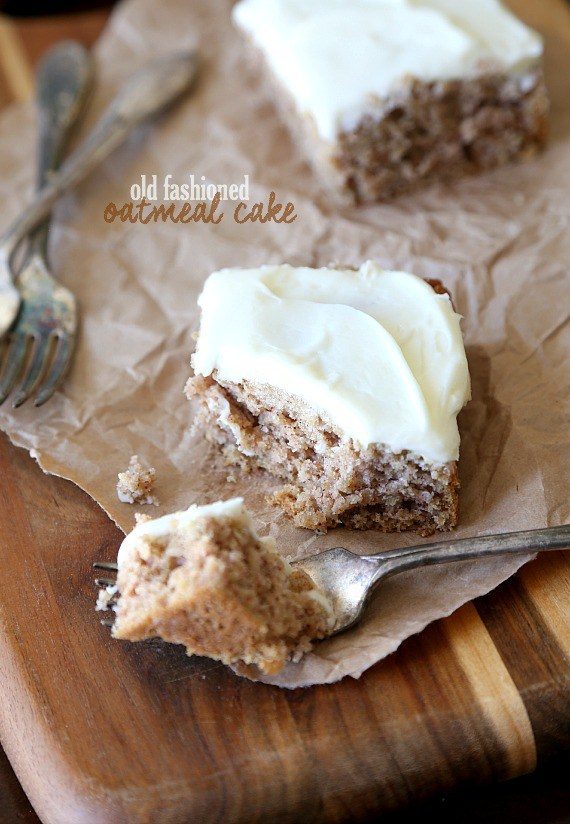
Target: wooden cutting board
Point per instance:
(102, 731)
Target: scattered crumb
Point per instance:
(135, 485)
(141, 518)
(231, 478)
(106, 599)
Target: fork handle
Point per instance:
(64, 81)
(148, 92)
(465, 549)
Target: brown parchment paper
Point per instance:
(499, 242)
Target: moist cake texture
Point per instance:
(344, 384)
(385, 95)
(204, 578)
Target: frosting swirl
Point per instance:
(336, 56)
(378, 354)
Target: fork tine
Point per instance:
(40, 355)
(65, 347)
(108, 565)
(14, 362)
(105, 582)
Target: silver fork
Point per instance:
(349, 579)
(41, 344)
(146, 94)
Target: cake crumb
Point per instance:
(135, 484)
(141, 518)
(106, 599)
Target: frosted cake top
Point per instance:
(335, 57)
(377, 354)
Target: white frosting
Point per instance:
(164, 526)
(378, 354)
(336, 56)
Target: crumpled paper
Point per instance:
(499, 242)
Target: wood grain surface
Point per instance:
(103, 731)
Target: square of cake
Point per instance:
(205, 579)
(388, 94)
(343, 383)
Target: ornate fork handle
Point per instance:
(65, 80)
(147, 93)
(466, 549)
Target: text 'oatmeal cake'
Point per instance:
(205, 579)
(345, 384)
(388, 94)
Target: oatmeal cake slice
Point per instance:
(204, 578)
(345, 384)
(388, 94)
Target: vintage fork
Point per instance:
(349, 579)
(145, 95)
(41, 344)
